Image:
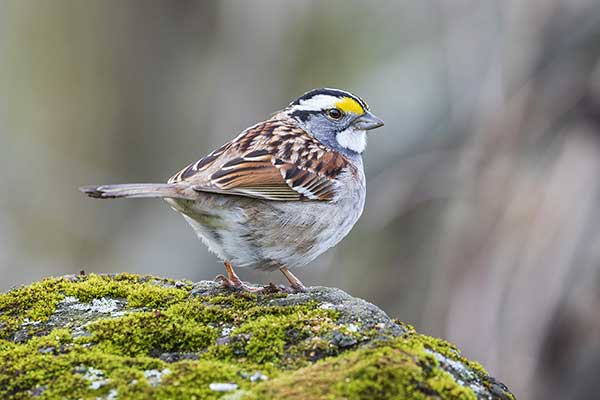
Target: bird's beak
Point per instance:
(367, 121)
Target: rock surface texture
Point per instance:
(127, 336)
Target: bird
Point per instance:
(278, 195)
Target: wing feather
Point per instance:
(273, 161)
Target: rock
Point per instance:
(128, 336)
(223, 387)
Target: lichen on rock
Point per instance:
(129, 336)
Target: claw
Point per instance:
(232, 281)
(241, 286)
(295, 285)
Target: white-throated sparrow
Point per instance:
(281, 193)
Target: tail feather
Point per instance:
(136, 190)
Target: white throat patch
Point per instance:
(353, 139)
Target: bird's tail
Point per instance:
(139, 190)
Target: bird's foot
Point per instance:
(233, 281)
(296, 289)
(238, 285)
(295, 285)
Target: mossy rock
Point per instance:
(128, 336)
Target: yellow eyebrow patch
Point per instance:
(348, 104)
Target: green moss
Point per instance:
(38, 301)
(193, 379)
(144, 333)
(190, 342)
(277, 336)
(55, 366)
(448, 350)
(35, 302)
(399, 369)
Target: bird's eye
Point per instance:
(334, 113)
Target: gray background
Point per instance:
(481, 224)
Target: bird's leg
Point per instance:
(233, 281)
(295, 283)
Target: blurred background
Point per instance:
(482, 223)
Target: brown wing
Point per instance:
(272, 160)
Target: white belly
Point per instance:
(270, 234)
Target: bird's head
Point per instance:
(336, 118)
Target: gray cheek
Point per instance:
(322, 130)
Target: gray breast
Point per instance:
(268, 234)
